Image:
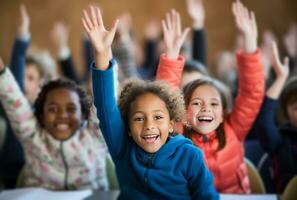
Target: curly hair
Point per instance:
(134, 88)
(85, 101)
(226, 99)
(288, 96)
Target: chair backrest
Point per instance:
(256, 182)
(112, 178)
(290, 192)
(3, 129)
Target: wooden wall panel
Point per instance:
(271, 14)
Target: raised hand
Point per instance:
(24, 22)
(196, 12)
(1, 65)
(152, 30)
(282, 72)
(246, 24)
(100, 38)
(60, 35)
(125, 27)
(173, 36)
(281, 69)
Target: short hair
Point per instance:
(195, 66)
(134, 88)
(225, 96)
(32, 61)
(288, 96)
(85, 101)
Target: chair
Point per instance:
(112, 178)
(257, 185)
(3, 129)
(290, 192)
(265, 169)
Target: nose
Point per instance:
(149, 124)
(205, 108)
(63, 113)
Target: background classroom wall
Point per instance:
(271, 14)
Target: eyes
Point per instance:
(199, 103)
(55, 109)
(142, 118)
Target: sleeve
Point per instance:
(250, 93)
(268, 135)
(200, 179)
(122, 51)
(16, 106)
(171, 71)
(150, 59)
(199, 46)
(18, 59)
(111, 122)
(68, 69)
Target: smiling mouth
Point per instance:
(62, 127)
(150, 138)
(205, 119)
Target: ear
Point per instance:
(171, 126)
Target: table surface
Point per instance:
(40, 193)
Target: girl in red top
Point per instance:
(219, 133)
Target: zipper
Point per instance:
(66, 167)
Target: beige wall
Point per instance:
(271, 14)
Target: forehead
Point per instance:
(62, 96)
(32, 69)
(206, 92)
(148, 102)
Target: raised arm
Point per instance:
(16, 106)
(196, 11)
(20, 47)
(123, 48)
(269, 136)
(251, 78)
(171, 64)
(60, 37)
(103, 83)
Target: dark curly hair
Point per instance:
(85, 101)
(226, 99)
(288, 96)
(134, 88)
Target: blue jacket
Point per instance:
(176, 171)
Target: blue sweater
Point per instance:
(175, 171)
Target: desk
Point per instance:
(39, 193)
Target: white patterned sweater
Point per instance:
(76, 163)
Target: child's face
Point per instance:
(205, 111)
(149, 122)
(292, 113)
(62, 113)
(32, 80)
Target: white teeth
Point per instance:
(204, 118)
(62, 127)
(150, 136)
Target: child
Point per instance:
(150, 163)
(221, 136)
(62, 151)
(280, 143)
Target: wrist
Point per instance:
(198, 25)
(250, 44)
(172, 55)
(102, 59)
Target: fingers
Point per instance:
(23, 11)
(184, 34)
(286, 61)
(1, 64)
(87, 21)
(275, 53)
(113, 29)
